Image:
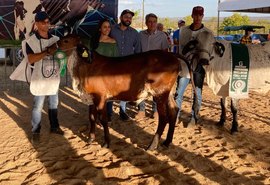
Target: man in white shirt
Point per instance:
(187, 34)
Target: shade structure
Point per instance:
(243, 27)
(249, 6)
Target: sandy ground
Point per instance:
(203, 154)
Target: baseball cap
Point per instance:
(181, 21)
(41, 16)
(127, 11)
(197, 10)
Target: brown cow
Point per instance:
(128, 78)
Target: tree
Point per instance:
(188, 20)
(235, 20)
(211, 23)
(136, 13)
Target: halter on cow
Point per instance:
(128, 78)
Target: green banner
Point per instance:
(240, 71)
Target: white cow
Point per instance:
(218, 55)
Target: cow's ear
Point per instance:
(219, 48)
(84, 53)
(189, 46)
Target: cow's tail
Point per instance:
(172, 111)
(173, 90)
(171, 98)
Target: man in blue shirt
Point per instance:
(128, 43)
(176, 35)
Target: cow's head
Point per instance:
(19, 9)
(69, 43)
(204, 48)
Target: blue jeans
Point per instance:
(142, 106)
(123, 107)
(37, 109)
(109, 106)
(182, 83)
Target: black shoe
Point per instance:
(35, 138)
(57, 131)
(124, 116)
(109, 119)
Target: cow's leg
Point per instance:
(162, 120)
(198, 78)
(234, 108)
(195, 106)
(102, 114)
(92, 119)
(223, 112)
(104, 121)
(172, 111)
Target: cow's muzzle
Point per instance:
(204, 61)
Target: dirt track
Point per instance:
(198, 155)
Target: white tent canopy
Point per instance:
(251, 6)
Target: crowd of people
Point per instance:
(112, 40)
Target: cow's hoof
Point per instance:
(220, 124)
(105, 145)
(166, 144)
(234, 131)
(90, 140)
(154, 143)
(151, 147)
(234, 128)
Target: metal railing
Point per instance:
(8, 64)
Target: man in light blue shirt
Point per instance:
(128, 43)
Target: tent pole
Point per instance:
(218, 20)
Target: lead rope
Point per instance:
(190, 69)
(42, 65)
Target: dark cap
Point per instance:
(250, 29)
(181, 21)
(41, 16)
(127, 11)
(197, 10)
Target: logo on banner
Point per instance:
(240, 72)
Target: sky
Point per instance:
(175, 8)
